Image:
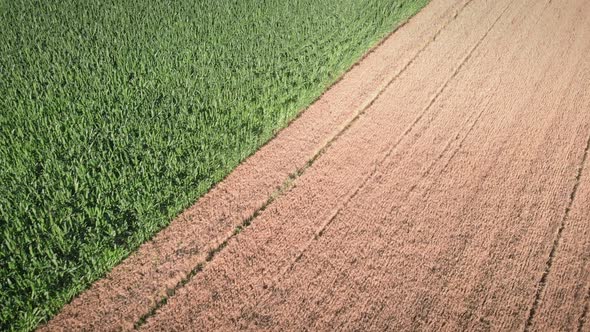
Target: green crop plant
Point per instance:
(115, 115)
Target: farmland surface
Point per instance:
(442, 184)
(115, 116)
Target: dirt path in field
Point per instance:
(442, 184)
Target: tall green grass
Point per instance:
(115, 115)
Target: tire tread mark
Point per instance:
(542, 283)
(326, 224)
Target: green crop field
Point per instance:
(115, 115)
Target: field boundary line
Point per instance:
(288, 183)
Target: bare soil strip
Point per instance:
(442, 184)
(135, 288)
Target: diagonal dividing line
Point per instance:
(288, 183)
